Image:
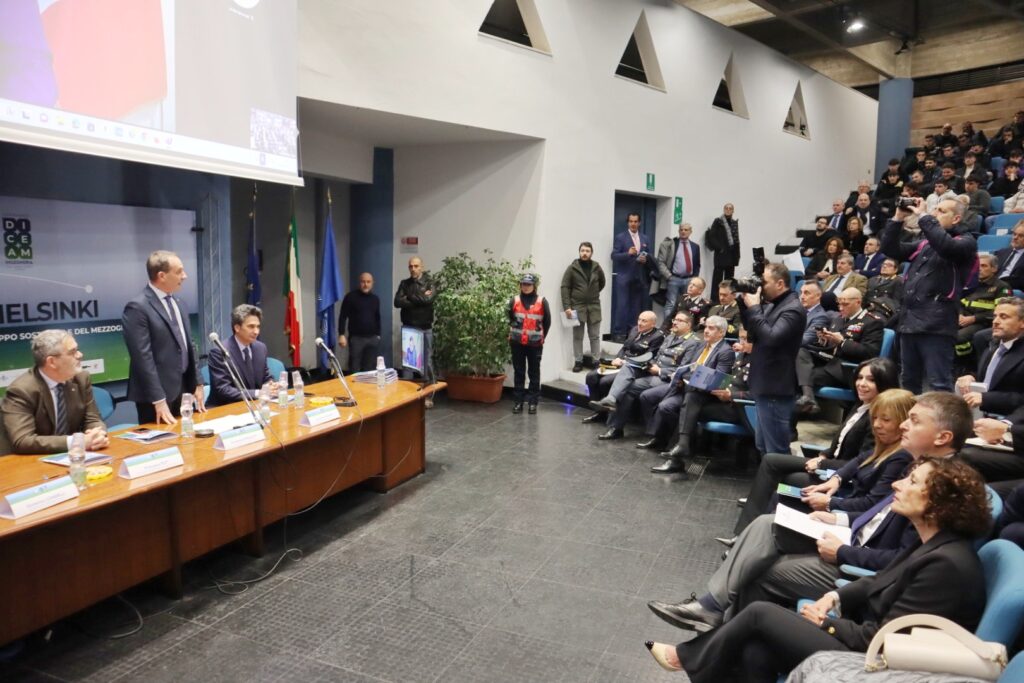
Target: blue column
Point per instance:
(373, 237)
(895, 98)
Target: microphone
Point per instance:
(338, 400)
(236, 379)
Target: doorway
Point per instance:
(623, 299)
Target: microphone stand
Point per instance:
(236, 380)
(339, 400)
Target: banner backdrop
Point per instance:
(73, 265)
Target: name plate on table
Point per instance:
(242, 436)
(39, 497)
(148, 463)
(319, 416)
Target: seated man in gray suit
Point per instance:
(52, 401)
(248, 353)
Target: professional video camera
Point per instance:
(751, 283)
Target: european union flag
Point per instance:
(331, 289)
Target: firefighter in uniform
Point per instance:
(978, 308)
(529, 319)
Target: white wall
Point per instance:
(601, 133)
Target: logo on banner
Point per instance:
(17, 240)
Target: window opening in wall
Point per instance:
(796, 118)
(639, 61)
(516, 21)
(729, 95)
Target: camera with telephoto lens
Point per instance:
(751, 283)
(907, 203)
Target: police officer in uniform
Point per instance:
(977, 309)
(529, 319)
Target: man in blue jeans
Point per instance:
(774, 319)
(941, 265)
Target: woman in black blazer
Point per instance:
(824, 262)
(873, 377)
(946, 502)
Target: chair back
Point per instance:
(104, 402)
(1015, 671)
(997, 163)
(888, 341)
(993, 243)
(205, 373)
(996, 204)
(1003, 563)
(275, 366)
(1006, 220)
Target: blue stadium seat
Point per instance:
(888, 341)
(807, 261)
(1015, 671)
(104, 402)
(275, 366)
(1001, 621)
(993, 243)
(1005, 222)
(998, 163)
(996, 205)
(205, 373)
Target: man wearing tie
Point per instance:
(871, 259)
(1011, 259)
(52, 401)
(248, 353)
(843, 278)
(629, 254)
(1002, 366)
(837, 221)
(678, 261)
(162, 357)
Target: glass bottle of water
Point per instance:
(381, 372)
(76, 457)
(282, 390)
(265, 404)
(299, 386)
(188, 430)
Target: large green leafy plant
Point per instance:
(470, 313)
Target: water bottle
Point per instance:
(265, 404)
(76, 456)
(381, 372)
(300, 396)
(282, 390)
(187, 426)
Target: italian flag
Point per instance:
(293, 292)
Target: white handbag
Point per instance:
(942, 647)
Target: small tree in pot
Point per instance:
(471, 323)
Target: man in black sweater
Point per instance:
(415, 298)
(361, 308)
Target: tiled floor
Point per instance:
(526, 552)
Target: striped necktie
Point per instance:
(61, 411)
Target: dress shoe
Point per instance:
(671, 467)
(577, 367)
(727, 541)
(606, 404)
(611, 434)
(596, 417)
(689, 614)
(532, 409)
(659, 652)
(517, 408)
(650, 445)
(740, 502)
(677, 453)
(806, 405)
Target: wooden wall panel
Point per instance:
(987, 108)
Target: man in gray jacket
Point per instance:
(581, 295)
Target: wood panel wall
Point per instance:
(987, 108)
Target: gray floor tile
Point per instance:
(459, 591)
(538, 517)
(504, 550)
(630, 529)
(498, 657)
(594, 566)
(369, 566)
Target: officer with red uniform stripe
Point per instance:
(529, 319)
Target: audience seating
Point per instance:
(104, 402)
(204, 372)
(1006, 220)
(993, 243)
(996, 205)
(998, 163)
(843, 395)
(276, 367)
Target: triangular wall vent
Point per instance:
(796, 118)
(516, 21)
(730, 92)
(639, 61)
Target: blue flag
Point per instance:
(253, 290)
(331, 290)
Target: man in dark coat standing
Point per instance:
(723, 240)
(581, 295)
(774, 319)
(630, 254)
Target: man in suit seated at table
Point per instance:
(248, 353)
(52, 401)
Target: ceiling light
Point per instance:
(855, 25)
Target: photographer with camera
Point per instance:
(940, 266)
(774, 319)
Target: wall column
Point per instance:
(895, 98)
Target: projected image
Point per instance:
(185, 79)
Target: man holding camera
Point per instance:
(774, 319)
(940, 266)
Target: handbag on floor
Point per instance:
(942, 646)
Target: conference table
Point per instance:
(121, 532)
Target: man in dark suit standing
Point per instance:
(776, 329)
(1011, 259)
(162, 356)
(52, 401)
(249, 355)
(714, 353)
(723, 240)
(678, 261)
(630, 256)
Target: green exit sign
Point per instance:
(650, 182)
(677, 213)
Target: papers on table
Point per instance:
(370, 376)
(226, 423)
(143, 435)
(803, 524)
(91, 458)
(572, 321)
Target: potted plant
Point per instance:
(471, 323)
